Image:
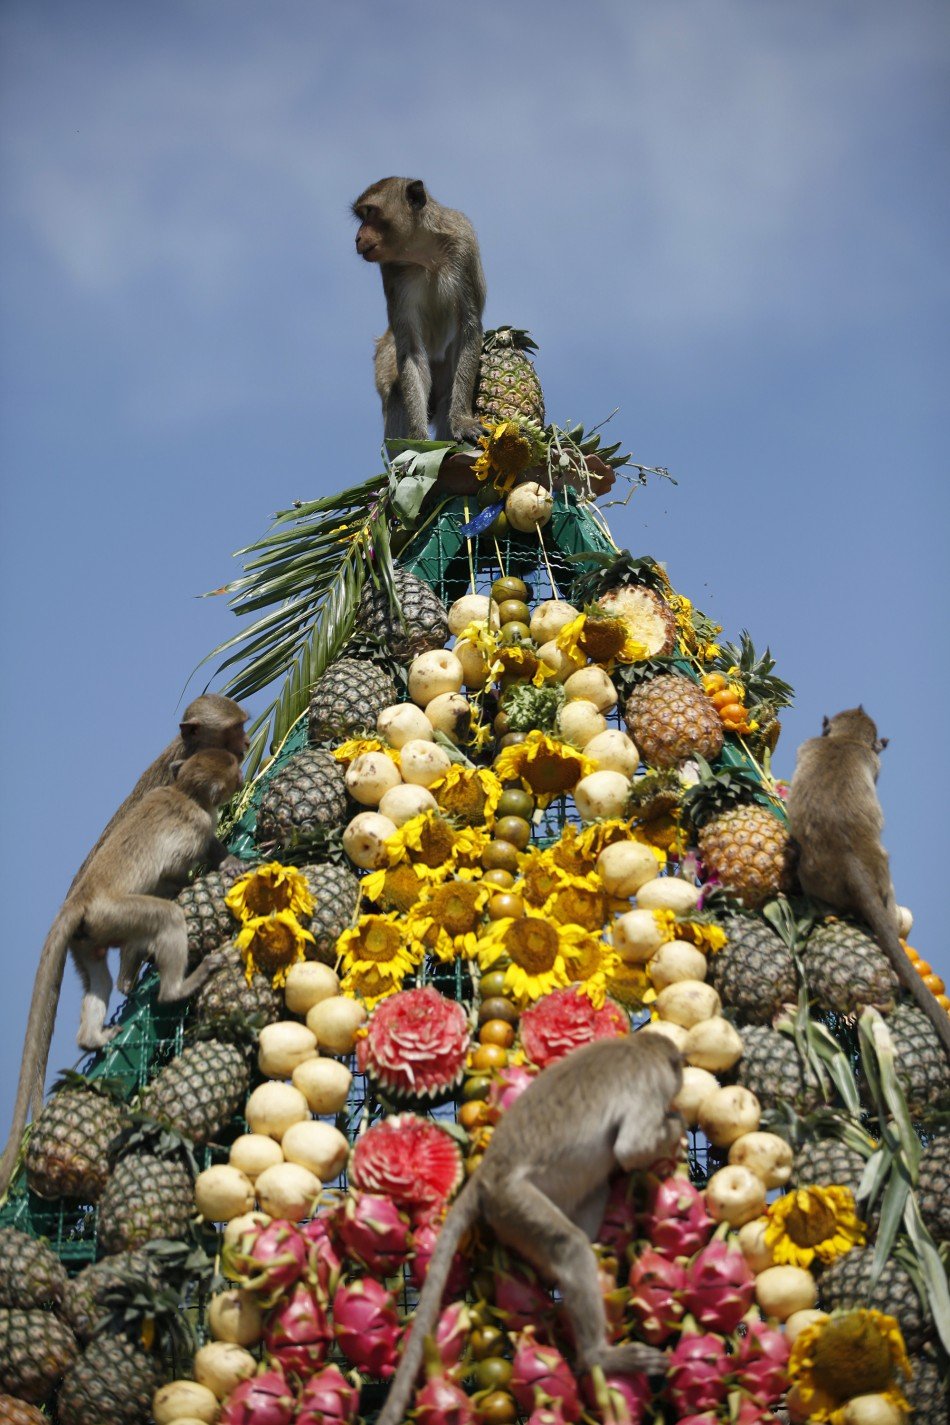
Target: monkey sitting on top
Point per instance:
(427, 361)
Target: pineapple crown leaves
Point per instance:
(108, 1087)
(791, 921)
(527, 707)
(628, 676)
(147, 1134)
(719, 791)
(508, 339)
(367, 647)
(153, 1310)
(657, 783)
(614, 571)
(754, 673)
(233, 1027)
(321, 844)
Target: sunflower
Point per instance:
(468, 794)
(579, 900)
(600, 637)
(374, 958)
(435, 848)
(446, 920)
(538, 954)
(357, 746)
(507, 451)
(704, 935)
(523, 660)
(540, 876)
(629, 985)
(568, 853)
(546, 767)
(813, 1222)
(592, 840)
(270, 944)
(394, 887)
(849, 1353)
(592, 965)
(268, 889)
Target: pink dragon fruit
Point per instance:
(719, 1287)
(657, 1286)
(675, 1219)
(519, 1299)
(619, 1226)
(439, 1402)
(297, 1334)
(743, 1410)
(324, 1264)
(540, 1373)
(366, 1326)
(705, 1417)
(263, 1400)
(546, 1415)
(424, 1238)
(761, 1360)
(507, 1085)
(267, 1260)
(698, 1365)
(328, 1398)
(617, 1400)
(372, 1230)
(452, 1332)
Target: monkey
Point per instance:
(427, 361)
(120, 898)
(835, 820)
(542, 1187)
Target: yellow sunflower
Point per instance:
(507, 452)
(600, 637)
(270, 888)
(540, 876)
(436, 849)
(356, 746)
(591, 964)
(848, 1353)
(629, 985)
(270, 944)
(445, 921)
(708, 938)
(545, 766)
(568, 853)
(580, 900)
(374, 954)
(592, 840)
(537, 951)
(394, 887)
(468, 794)
(523, 661)
(813, 1222)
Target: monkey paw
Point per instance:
(632, 1359)
(98, 1039)
(466, 428)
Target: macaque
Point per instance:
(119, 898)
(836, 821)
(542, 1188)
(427, 361)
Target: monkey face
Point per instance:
(369, 237)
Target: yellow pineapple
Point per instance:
(742, 836)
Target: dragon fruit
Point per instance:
(540, 1373)
(743, 1410)
(705, 1417)
(424, 1239)
(452, 1332)
(617, 1400)
(267, 1259)
(761, 1361)
(675, 1219)
(719, 1287)
(698, 1365)
(371, 1229)
(439, 1402)
(297, 1333)
(519, 1299)
(546, 1415)
(328, 1398)
(324, 1265)
(366, 1326)
(507, 1084)
(263, 1400)
(657, 1287)
(619, 1226)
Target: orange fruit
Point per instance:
(923, 968)
(497, 1408)
(488, 1057)
(935, 984)
(472, 1115)
(497, 1031)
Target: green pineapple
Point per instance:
(423, 623)
(754, 973)
(31, 1274)
(772, 1068)
(146, 1197)
(824, 1162)
(112, 1383)
(209, 922)
(305, 799)
(508, 388)
(847, 1284)
(919, 1059)
(200, 1091)
(17, 1412)
(68, 1152)
(743, 842)
(82, 1308)
(227, 993)
(336, 893)
(933, 1187)
(348, 697)
(929, 1389)
(36, 1349)
(845, 969)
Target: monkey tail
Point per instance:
(462, 1216)
(885, 933)
(39, 1029)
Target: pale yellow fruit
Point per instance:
(766, 1154)
(273, 1107)
(475, 668)
(905, 922)
(668, 893)
(235, 1229)
(404, 802)
(472, 608)
(423, 763)
(335, 1022)
(735, 1195)
(308, 982)
(370, 776)
(548, 618)
(282, 1046)
(624, 866)
(325, 1083)
(688, 1002)
(561, 663)
(593, 685)
(223, 1192)
(697, 1085)
(403, 722)
(729, 1114)
(235, 1316)
(601, 795)
(752, 1244)
(580, 723)
(676, 960)
(364, 839)
(221, 1366)
(317, 1146)
(529, 507)
(713, 1044)
(871, 1410)
(799, 1320)
(432, 673)
(184, 1399)
(451, 714)
(288, 1190)
(781, 1291)
(636, 936)
(612, 750)
(674, 1032)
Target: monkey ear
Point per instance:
(881, 743)
(416, 195)
(176, 768)
(825, 724)
(187, 729)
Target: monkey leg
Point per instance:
(93, 967)
(647, 1136)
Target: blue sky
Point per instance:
(729, 219)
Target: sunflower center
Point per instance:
(274, 944)
(539, 883)
(851, 1355)
(549, 772)
(533, 945)
(577, 905)
(454, 907)
(810, 1221)
(585, 959)
(401, 888)
(603, 638)
(465, 800)
(436, 843)
(378, 942)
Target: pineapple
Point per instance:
(146, 1197)
(743, 843)
(30, 1274)
(306, 798)
(929, 1389)
(773, 1070)
(845, 969)
(17, 1412)
(200, 1091)
(847, 1284)
(209, 922)
(68, 1151)
(227, 992)
(336, 893)
(112, 1383)
(348, 697)
(754, 973)
(82, 1308)
(828, 1161)
(671, 719)
(419, 624)
(36, 1349)
(933, 1187)
(508, 388)
(919, 1059)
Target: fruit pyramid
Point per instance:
(513, 794)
